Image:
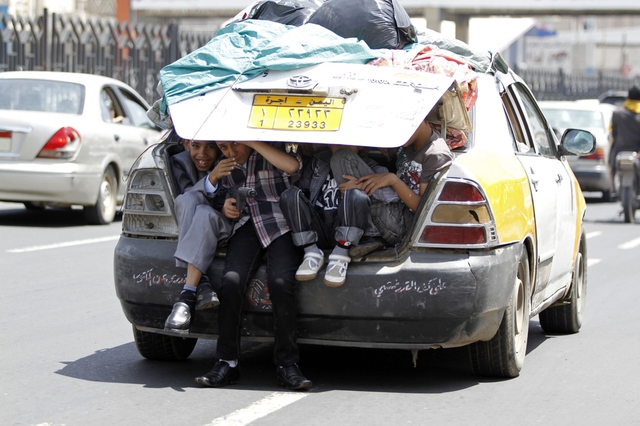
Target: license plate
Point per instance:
(5, 141)
(296, 113)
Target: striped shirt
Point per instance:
(264, 209)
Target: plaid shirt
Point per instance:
(269, 182)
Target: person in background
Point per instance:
(260, 230)
(625, 127)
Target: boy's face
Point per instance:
(203, 154)
(239, 152)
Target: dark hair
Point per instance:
(634, 93)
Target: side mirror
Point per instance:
(577, 142)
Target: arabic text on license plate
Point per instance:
(296, 113)
(5, 141)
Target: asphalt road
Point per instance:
(68, 356)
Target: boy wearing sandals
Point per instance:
(328, 210)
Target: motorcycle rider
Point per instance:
(625, 127)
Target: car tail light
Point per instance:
(5, 141)
(147, 211)
(459, 217)
(64, 144)
(598, 155)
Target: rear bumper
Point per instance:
(593, 178)
(66, 183)
(422, 301)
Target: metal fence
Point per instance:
(131, 53)
(136, 53)
(559, 86)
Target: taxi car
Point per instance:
(498, 237)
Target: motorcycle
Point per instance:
(628, 177)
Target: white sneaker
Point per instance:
(310, 266)
(336, 273)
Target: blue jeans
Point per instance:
(244, 256)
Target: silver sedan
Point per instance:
(69, 139)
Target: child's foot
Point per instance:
(180, 318)
(336, 273)
(311, 264)
(206, 297)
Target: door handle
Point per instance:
(558, 178)
(116, 138)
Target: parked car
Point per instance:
(593, 171)
(68, 139)
(497, 239)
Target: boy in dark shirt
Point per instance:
(201, 228)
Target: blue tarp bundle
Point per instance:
(245, 49)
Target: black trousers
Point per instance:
(244, 256)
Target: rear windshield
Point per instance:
(41, 95)
(562, 119)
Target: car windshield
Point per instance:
(41, 95)
(562, 119)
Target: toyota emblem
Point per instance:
(300, 81)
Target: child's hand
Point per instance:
(229, 209)
(349, 184)
(222, 169)
(371, 183)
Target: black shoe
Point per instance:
(180, 318)
(206, 297)
(221, 374)
(366, 246)
(291, 378)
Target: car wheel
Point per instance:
(503, 355)
(567, 317)
(104, 211)
(33, 206)
(163, 348)
(629, 204)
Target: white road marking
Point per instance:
(67, 244)
(630, 244)
(592, 262)
(593, 234)
(258, 409)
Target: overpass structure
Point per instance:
(433, 11)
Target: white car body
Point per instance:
(98, 155)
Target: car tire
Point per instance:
(160, 347)
(104, 210)
(566, 318)
(503, 355)
(629, 204)
(33, 206)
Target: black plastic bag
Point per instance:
(288, 12)
(379, 23)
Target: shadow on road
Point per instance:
(48, 218)
(330, 368)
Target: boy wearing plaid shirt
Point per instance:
(260, 229)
